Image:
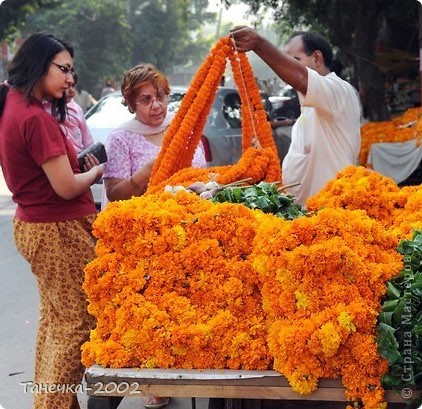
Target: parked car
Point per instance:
(285, 104)
(221, 135)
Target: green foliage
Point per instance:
(165, 32)
(86, 25)
(263, 196)
(110, 36)
(400, 321)
(12, 12)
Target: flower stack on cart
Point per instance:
(184, 282)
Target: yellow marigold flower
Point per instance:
(364, 182)
(346, 321)
(181, 237)
(303, 383)
(260, 264)
(301, 299)
(329, 338)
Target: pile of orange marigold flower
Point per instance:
(173, 286)
(399, 210)
(401, 129)
(181, 282)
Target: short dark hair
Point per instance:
(313, 41)
(30, 63)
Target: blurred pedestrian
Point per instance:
(108, 89)
(55, 210)
(74, 126)
(326, 136)
(84, 99)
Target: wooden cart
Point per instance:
(107, 387)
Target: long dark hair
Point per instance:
(30, 64)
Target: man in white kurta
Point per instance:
(326, 136)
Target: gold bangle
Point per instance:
(133, 183)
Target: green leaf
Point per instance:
(389, 305)
(392, 292)
(386, 317)
(387, 343)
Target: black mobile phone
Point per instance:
(97, 149)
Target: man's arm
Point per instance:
(286, 67)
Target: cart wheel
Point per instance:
(103, 402)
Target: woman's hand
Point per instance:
(90, 162)
(65, 183)
(135, 185)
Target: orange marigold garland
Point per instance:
(257, 164)
(355, 187)
(322, 279)
(183, 136)
(173, 286)
(254, 116)
(196, 104)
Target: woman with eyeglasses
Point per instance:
(55, 210)
(133, 147)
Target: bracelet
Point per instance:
(133, 183)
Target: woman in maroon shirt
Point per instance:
(55, 210)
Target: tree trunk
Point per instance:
(372, 80)
(420, 52)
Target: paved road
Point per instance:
(18, 313)
(18, 319)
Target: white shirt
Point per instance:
(326, 136)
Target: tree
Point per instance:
(354, 27)
(110, 36)
(12, 12)
(166, 32)
(97, 29)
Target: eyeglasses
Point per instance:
(148, 100)
(65, 70)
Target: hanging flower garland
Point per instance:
(183, 136)
(180, 138)
(253, 111)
